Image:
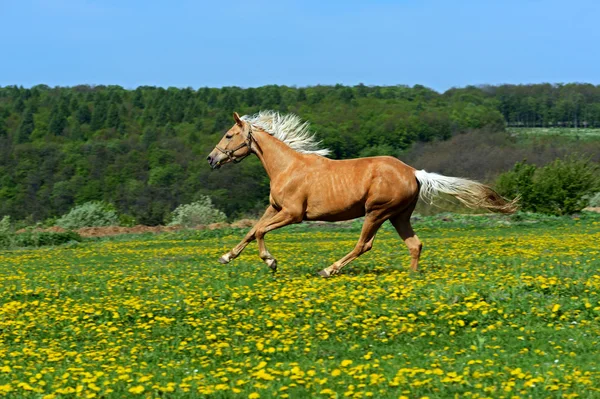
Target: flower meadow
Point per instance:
(500, 310)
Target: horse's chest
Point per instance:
(277, 199)
(286, 194)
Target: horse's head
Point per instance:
(234, 146)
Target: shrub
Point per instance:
(560, 188)
(5, 224)
(518, 183)
(90, 214)
(37, 239)
(127, 220)
(197, 213)
(595, 200)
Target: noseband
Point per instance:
(247, 143)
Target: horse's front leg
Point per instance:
(283, 218)
(251, 236)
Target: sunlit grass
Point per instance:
(556, 132)
(498, 311)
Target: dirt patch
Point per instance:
(243, 223)
(107, 231)
(116, 230)
(140, 229)
(214, 226)
(593, 209)
(56, 229)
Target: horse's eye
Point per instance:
(229, 136)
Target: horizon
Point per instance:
(436, 44)
(478, 86)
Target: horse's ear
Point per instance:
(238, 120)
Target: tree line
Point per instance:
(143, 150)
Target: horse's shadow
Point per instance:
(356, 271)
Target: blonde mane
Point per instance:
(289, 129)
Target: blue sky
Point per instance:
(439, 44)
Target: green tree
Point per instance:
(98, 115)
(83, 114)
(58, 121)
(3, 131)
(113, 120)
(27, 126)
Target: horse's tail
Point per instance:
(471, 193)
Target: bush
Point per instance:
(127, 221)
(37, 239)
(562, 187)
(197, 213)
(5, 224)
(90, 214)
(595, 200)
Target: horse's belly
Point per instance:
(334, 214)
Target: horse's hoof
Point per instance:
(272, 263)
(324, 273)
(224, 259)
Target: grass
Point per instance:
(555, 132)
(504, 307)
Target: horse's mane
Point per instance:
(289, 129)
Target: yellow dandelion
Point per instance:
(137, 389)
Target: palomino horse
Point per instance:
(305, 185)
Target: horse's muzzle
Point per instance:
(214, 164)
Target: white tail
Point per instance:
(471, 193)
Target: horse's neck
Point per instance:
(275, 156)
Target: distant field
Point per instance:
(504, 307)
(582, 134)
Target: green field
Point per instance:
(503, 308)
(555, 132)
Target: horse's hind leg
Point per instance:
(402, 225)
(373, 222)
(251, 236)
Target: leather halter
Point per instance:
(246, 143)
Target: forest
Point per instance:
(144, 150)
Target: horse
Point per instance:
(306, 185)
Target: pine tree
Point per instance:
(113, 120)
(199, 125)
(98, 116)
(76, 133)
(20, 105)
(83, 114)
(169, 130)
(138, 98)
(58, 121)
(250, 97)
(163, 116)
(26, 128)
(301, 95)
(222, 122)
(3, 131)
(150, 136)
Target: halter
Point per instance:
(246, 143)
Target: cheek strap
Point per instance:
(247, 143)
